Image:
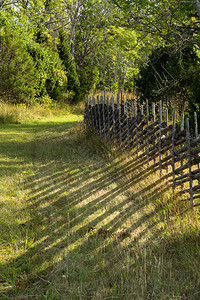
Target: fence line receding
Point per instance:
(162, 146)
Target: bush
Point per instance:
(18, 75)
(29, 70)
(52, 80)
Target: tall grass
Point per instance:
(126, 95)
(22, 113)
(79, 221)
(9, 114)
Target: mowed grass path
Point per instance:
(78, 222)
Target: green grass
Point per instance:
(80, 221)
(22, 113)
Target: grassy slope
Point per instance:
(78, 223)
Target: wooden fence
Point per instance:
(169, 148)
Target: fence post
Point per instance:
(95, 118)
(136, 128)
(119, 118)
(108, 116)
(86, 111)
(90, 113)
(99, 115)
(154, 119)
(182, 122)
(160, 136)
(167, 123)
(167, 117)
(124, 104)
(132, 109)
(154, 111)
(135, 108)
(196, 132)
(127, 122)
(182, 128)
(147, 113)
(142, 110)
(195, 124)
(173, 147)
(190, 163)
(113, 116)
(103, 114)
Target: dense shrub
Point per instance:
(70, 66)
(18, 75)
(52, 80)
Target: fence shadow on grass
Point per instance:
(81, 211)
(87, 214)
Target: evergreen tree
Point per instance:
(70, 66)
(18, 74)
(168, 76)
(52, 80)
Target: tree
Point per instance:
(169, 75)
(120, 59)
(166, 20)
(18, 75)
(92, 30)
(29, 48)
(70, 66)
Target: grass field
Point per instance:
(80, 220)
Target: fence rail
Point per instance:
(171, 149)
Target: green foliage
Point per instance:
(18, 75)
(103, 44)
(168, 75)
(70, 66)
(30, 67)
(91, 44)
(88, 79)
(175, 22)
(122, 56)
(194, 100)
(42, 35)
(52, 80)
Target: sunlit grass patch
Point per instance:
(23, 114)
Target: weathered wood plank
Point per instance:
(160, 136)
(189, 163)
(173, 148)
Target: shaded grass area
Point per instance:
(78, 222)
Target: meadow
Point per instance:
(82, 220)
